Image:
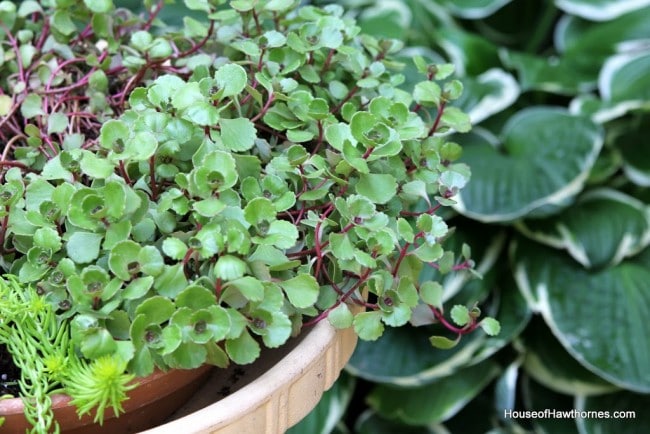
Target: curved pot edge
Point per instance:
(280, 397)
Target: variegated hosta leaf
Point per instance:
(535, 168)
(474, 9)
(435, 402)
(623, 86)
(599, 317)
(600, 10)
(632, 416)
(548, 362)
(488, 94)
(601, 229)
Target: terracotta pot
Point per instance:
(268, 396)
(272, 394)
(157, 396)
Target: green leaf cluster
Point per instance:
(187, 195)
(558, 96)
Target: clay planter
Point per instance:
(271, 395)
(268, 396)
(157, 396)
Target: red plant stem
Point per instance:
(431, 210)
(125, 175)
(441, 110)
(347, 98)
(152, 16)
(400, 258)
(328, 61)
(319, 141)
(258, 27)
(19, 60)
(196, 47)
(45, 32)
(264, 109)
(458, 267)
(17, 164)
(218, 288)
(152, 175)
(471, 326)
(362, 279)
(3, 228)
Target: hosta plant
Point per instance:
(186, 195)
(558, 92)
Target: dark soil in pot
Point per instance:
(9, 374)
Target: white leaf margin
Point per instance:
(597, 11)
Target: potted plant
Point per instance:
(180, 197)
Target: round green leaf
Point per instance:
(238, 134)
(187, 95)
(32, 106)
(598, 316)
(340, 317)
(243, 350)
(302, 290)
(83, 247)
(231, 79)
(99, 6)
(543, 160)
(460, 315)
(379, 188)
(368, 325)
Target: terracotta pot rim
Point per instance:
(321, 355)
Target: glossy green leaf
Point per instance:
(629, 407)
(487, 94)
(474, 9)
(544, 158)
(600, 10)
(623, 85)
(434, 402)
(636, 159)
(548, 363)
(601, 229)
(576, 303)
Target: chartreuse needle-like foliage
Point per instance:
(183, 196)
(40, 345)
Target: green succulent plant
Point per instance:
(183, 196)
